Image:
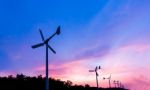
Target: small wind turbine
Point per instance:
(45, 42)
(109, 78)
(97, 67)
(120, 84)
(115, 82)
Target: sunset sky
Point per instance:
(114, 34)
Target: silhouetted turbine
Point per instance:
(121, 85)
(109, 80)
(115, 82)
(118, 84)
(45, 42)
(97, 67)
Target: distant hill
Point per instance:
(22, 82)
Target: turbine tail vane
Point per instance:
(99, 67)
(41, 35)
(58, 30)
(37, 45)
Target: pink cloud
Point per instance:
(138, 81)
(124, 64)
(140, 48)
(75, 71)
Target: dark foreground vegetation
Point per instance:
(22, 82)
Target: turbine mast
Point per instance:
(45, 42)
(96, 68)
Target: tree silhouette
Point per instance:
(22, 82)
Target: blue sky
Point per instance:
(19, 18)
(99, 32)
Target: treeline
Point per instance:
(22, 82)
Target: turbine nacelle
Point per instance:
(45, 42)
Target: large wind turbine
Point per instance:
(45, 42)
(97, 67)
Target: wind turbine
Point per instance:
(120, 85)
(97, 67)
(109, 78)
(115, 82)
(45, 42)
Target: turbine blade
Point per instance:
(91, 71)
(51, 49)
(50, 38)
(58, 30)
(37, 45)
(41, 35)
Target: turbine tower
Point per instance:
(97, 67)
(45, 42)
(109, 78)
